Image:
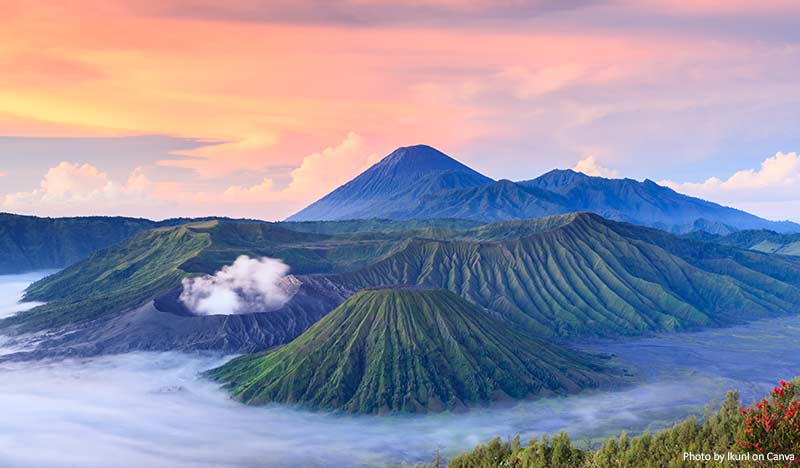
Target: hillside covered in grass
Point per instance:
(408, 350)
(155, 262)
(32, 243)
(582, 275)
(569, 276)
(759, 240)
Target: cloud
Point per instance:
(223, 158)
(447, 13)
(154, 409)
(247, 285)
(661, 91)
(73, 188)
(532, 83)
(767, 190)
(3, 173)
(261, 191)
(591, 167)
(317, 174)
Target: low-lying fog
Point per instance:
(11, 289)
(151, 409)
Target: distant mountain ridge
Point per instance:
(759, 240)
(30, 243)
(648, 203)
(420, 182)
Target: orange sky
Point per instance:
(294, 98)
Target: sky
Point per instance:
(246, 108)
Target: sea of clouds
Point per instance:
(12, 288)
(156, 410)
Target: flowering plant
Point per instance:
(772, 425)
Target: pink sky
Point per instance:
(263, 106)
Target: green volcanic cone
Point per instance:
(407, 350)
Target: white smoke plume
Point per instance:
(248, 285)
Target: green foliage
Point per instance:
(570, 275)
(716, 433)
(579, 275)
(404, 350)
(131, 273)
(763, 241)
(31, 243)
(375, 225)
(112, 280)
(773, 424)
(770, 425)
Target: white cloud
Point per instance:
(219, 159)
(79, 189)
(75, 189)
(526, 83)
(247, 285)
(591, 167)
(318, 174)
(264, 189)
(767, 191)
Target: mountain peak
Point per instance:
(395, 182)
(452, 354)
(419, 159)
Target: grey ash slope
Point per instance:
(393, 184)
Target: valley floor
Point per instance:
(152, 409)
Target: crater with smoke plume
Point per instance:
(248, 285)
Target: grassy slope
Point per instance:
(764, 241)
(374, 225)
(31, 243)
(571, 275)
(589, 276)
(114, 279)
(409, 351)
(155, 261)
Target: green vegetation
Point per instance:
(763, 241)
(728, 428)
(405, 350)
(155, 261)
(31, 243)
(570, 275)
(114, 279)
(579, 275)
(375, 225)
